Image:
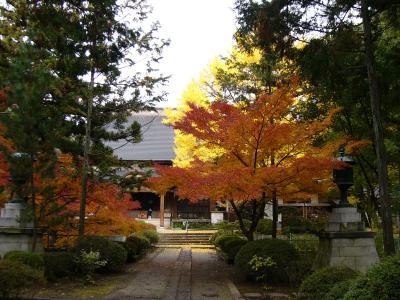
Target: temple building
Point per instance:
(157, 147)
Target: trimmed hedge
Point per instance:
(58, 265)
(223, 238)
(264, 226)
(380, 282)
(15, 276)
(135, 245)
(319, 283)
(151, 235)
(281, 252)
(114, 253)
(34, 260)
(232, 247)
(338, 290)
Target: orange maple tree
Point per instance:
(268, 153)
(58, 201)
(5, 144)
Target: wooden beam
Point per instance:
(162, 204)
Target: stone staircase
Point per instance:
(193, 239)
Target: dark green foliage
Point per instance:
(319, 283)
(338, 291)
(281, 252)
(16, 276)
(135, 245)
(151, 235)
(58, 265)
(225, 226)
(34, 260)
(380, 282)
(223, 238)
(232, 247)
(115, 254)
(264, 226)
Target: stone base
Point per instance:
(344, 219)
(345, 243)
(355, 250)
(12, 215)
(18, 239)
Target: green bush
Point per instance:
(264, 226)
(338, 290)
(223, 238)
(380, 282)
(34, 260)
(114, 253)
(58, 265)
(319, 283)
(135, 245)
(16, 276)
(305, 243)
(232, 247)
(151, 235)
(225, 226)
(218, 233)
(281, 253)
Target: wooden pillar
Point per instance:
(162, 204)
(174, 207)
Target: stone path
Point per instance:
(180, 274)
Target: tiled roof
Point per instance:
(157, 139)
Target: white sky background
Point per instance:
(199, 30)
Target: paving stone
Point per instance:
(179, 274)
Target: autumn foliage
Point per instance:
(107, 205)
(266, 150)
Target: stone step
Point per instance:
(176, 239)
(197, 246)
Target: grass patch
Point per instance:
(76, 289)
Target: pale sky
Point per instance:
(199, 30)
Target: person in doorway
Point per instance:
(149, 212)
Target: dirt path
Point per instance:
(179, 274)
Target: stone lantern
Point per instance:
(343, 177)
(16, 227)
(344, 241)
(20, 169)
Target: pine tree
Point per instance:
(83, 48)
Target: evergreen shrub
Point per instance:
(135, 245)
(380, 282)
(112, 252)
(16, 276)
(34, 260)
(319, 283)
(281, 252)
(223, 238)
(58, 265)
(338, 290)
(151, 235)
(232, 247)
(264, 226)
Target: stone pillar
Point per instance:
(15, 231)
(345, 243)
(162, 206)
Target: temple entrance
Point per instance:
(193, 210)
(168, 207)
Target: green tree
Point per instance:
(331, 25)
(85, 47)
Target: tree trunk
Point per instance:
(33, 196)
(274, 215)
(247, 233)
(384, 197)
(85, 170)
